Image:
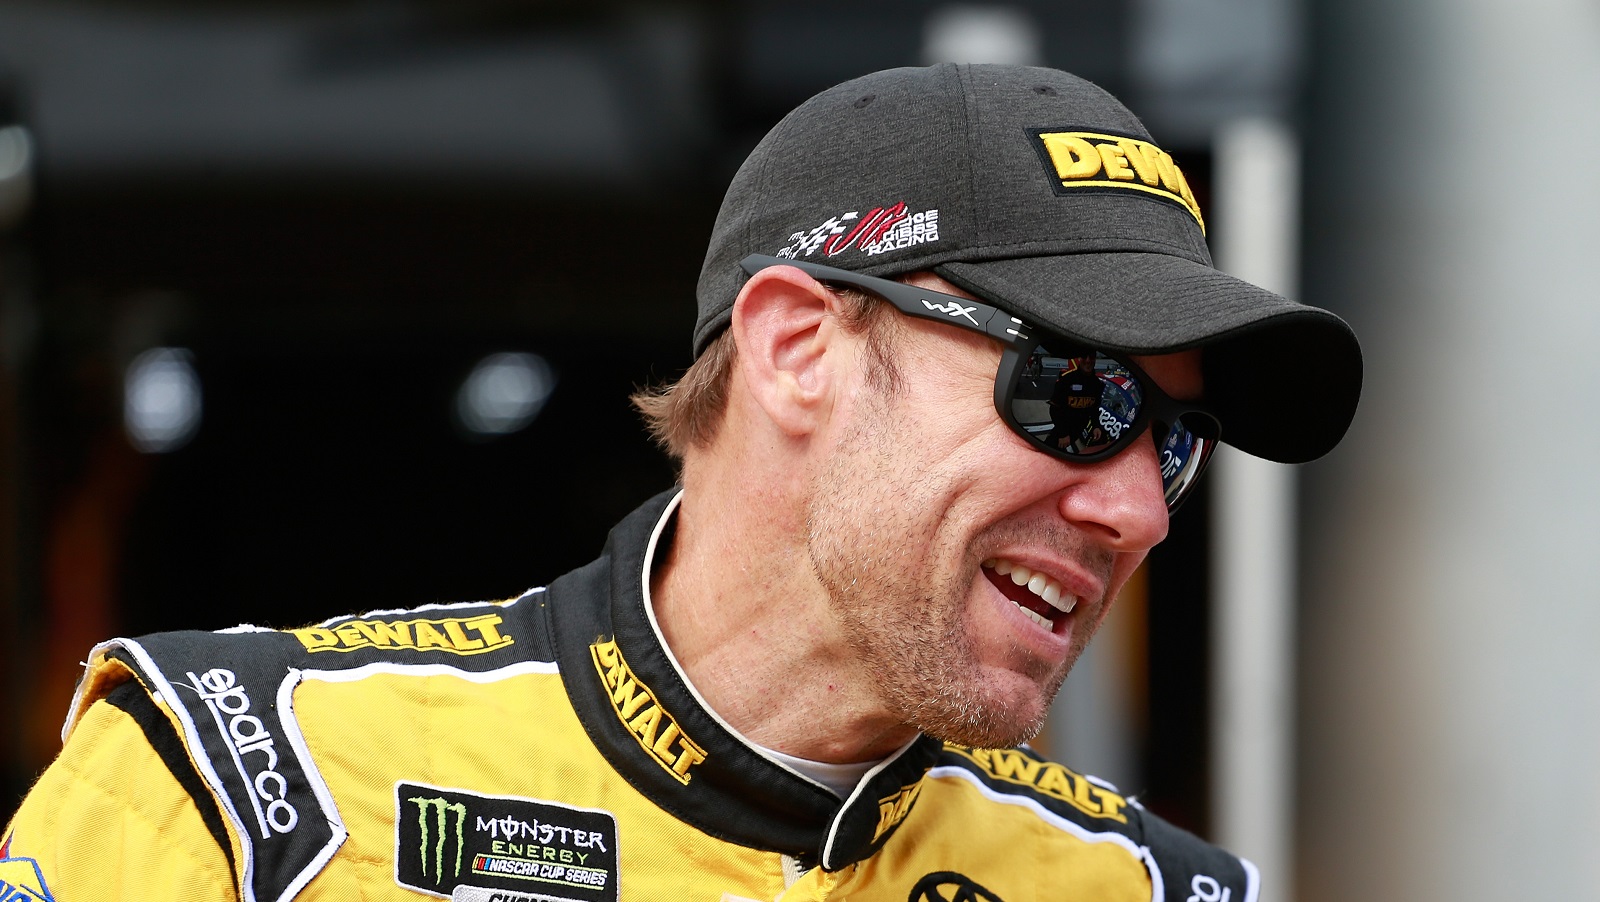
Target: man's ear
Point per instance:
(784, 327)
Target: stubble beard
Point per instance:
(901, 599)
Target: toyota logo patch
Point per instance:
(948, 886)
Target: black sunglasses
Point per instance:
(1065, 399)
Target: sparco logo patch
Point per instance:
(456, 635)
(255, 751)
(1048, 778)
(949, 886)
(464, 846)
(1088, 160)
(877, 231)
(656, 730)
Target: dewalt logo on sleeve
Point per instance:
(456, 635)
(1077, 160)
(1047, 778)
(640, 711)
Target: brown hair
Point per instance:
(687, 413)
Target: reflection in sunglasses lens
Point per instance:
(1077, 403)
(1085, 403)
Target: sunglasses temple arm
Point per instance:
(911, 300)
(938, 307)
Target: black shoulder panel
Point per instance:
(1193, 870)
(233, 692)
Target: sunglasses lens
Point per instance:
(1075, 402)
(1184, 452)
(1083, 403)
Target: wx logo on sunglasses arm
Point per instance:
(954, 309)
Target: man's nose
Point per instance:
(1121, 500)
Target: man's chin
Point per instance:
(993, 735)
(1002, 720)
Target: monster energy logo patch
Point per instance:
(462, 845)
(437, 811)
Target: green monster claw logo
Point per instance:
(441, 810)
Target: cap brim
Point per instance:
(1282, 377)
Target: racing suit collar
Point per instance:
(651, 726)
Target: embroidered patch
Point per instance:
(467, 847)
(21, 879)
(1048, 778)
(641, 713)
(244, 733)
(878, 231)
(893, 809)
(456, 635)
(1078, 161)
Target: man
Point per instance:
(804, 675)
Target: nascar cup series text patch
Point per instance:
(472, 848)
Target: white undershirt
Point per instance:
(841, 778)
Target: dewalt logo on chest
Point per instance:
(1089, 160)
(455, 635)
(894, 808)
(641, 713)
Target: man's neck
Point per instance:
(749, 624)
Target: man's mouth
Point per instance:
(1039, 596)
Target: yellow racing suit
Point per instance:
(543, 749)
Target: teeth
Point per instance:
(1037, 583)
(1034, 617)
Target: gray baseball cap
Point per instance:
(1042, 194)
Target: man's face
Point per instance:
(928, 509)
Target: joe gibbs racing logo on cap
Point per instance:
(878, 231)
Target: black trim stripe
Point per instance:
(131, 699)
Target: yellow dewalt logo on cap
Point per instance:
(1080, 160)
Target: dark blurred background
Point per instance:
(281, 237)
(309, 308)
(265, 245)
